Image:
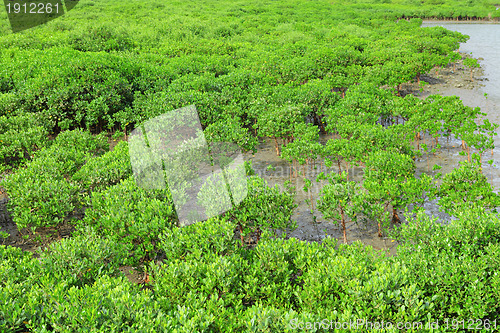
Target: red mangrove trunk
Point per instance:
(395, 217)
(343, 224)
(241, 234)
(276, 145)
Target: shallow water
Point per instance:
(307, 228)
(483, 43)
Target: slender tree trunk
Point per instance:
(276, 145)
(395, 217)
(241, 234)
(343, 223)
(323, 130)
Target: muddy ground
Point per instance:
(311, 225)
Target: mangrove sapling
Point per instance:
(339, 199)
(4, 235)
(487, 129)
(453, 57)
(20, 137)
(104, 171)
(418, 191)
(386, 175)
(471, 63)
(132, 216)
(333, 151)
(316, 94)
(477, 136)
(307, 188)
(454, 115)
(305, 147)
(279, 122)
(42, 194)
(437, 114)
(364, 103)
(375, 209)
(231, 130)
(464, 186)
(264, 208)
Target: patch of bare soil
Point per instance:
(452, 76)
(24, 239)
(133, 275)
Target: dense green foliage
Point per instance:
(20, 137)
(209, 283)
(435, 9)
(101, 75)
(43, 193)
(284, 70)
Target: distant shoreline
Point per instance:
(448, 21)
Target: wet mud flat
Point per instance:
(311, 226)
